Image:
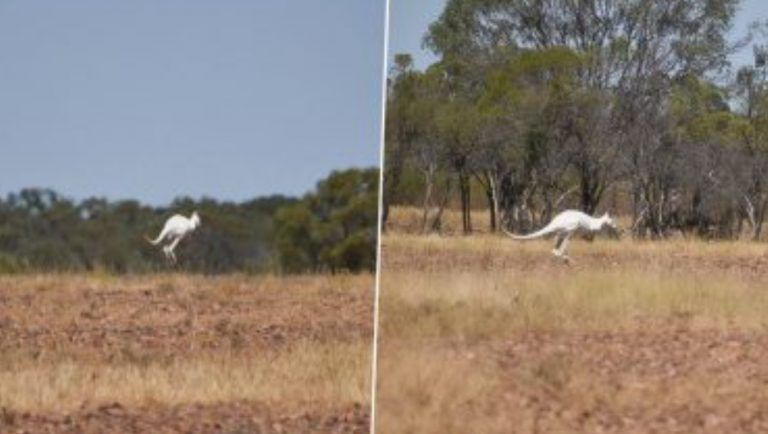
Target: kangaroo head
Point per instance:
(196, 219)
(608, 221)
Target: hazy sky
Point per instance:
(410, 19)
(152, 99)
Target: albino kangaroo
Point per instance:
(175, 229)
(566, 224)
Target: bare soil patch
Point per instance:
(173, 353)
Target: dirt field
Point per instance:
(178, 354)
(482, 334)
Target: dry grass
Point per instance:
(296, 344)
(483, 334)
(470, 307)
(306, 376)
(409, 220)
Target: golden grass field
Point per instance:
(174, 353)
(483, 334)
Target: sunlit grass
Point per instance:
(305, 376)
(78, 340)
(484, 334)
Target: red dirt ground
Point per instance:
(229, 418)
(46, 319)
(660, 381)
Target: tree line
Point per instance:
(544, 104)
(331, 229)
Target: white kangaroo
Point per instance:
(566, 224)
(175, 229)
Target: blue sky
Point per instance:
(410, 19)
(408, 22)
(154, 99)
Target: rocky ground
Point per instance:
(158, 353)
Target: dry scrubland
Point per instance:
(173, 353)
(482, 334)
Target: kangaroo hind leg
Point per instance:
(561, 244)
(171, 248)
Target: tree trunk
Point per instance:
(759, 219)
(429, 181)
(591, 190)
(391, 182)
(437, 222)
(494, 205)
(465, 203)
(487, 181)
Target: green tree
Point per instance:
(333, 228)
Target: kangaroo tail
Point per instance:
(157, 240)
(538, 234)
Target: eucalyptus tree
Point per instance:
(632, 52)
(415, 136)
(430, 152)
(400, 127)
(528, 105)
(752, 88)
(332, 228)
